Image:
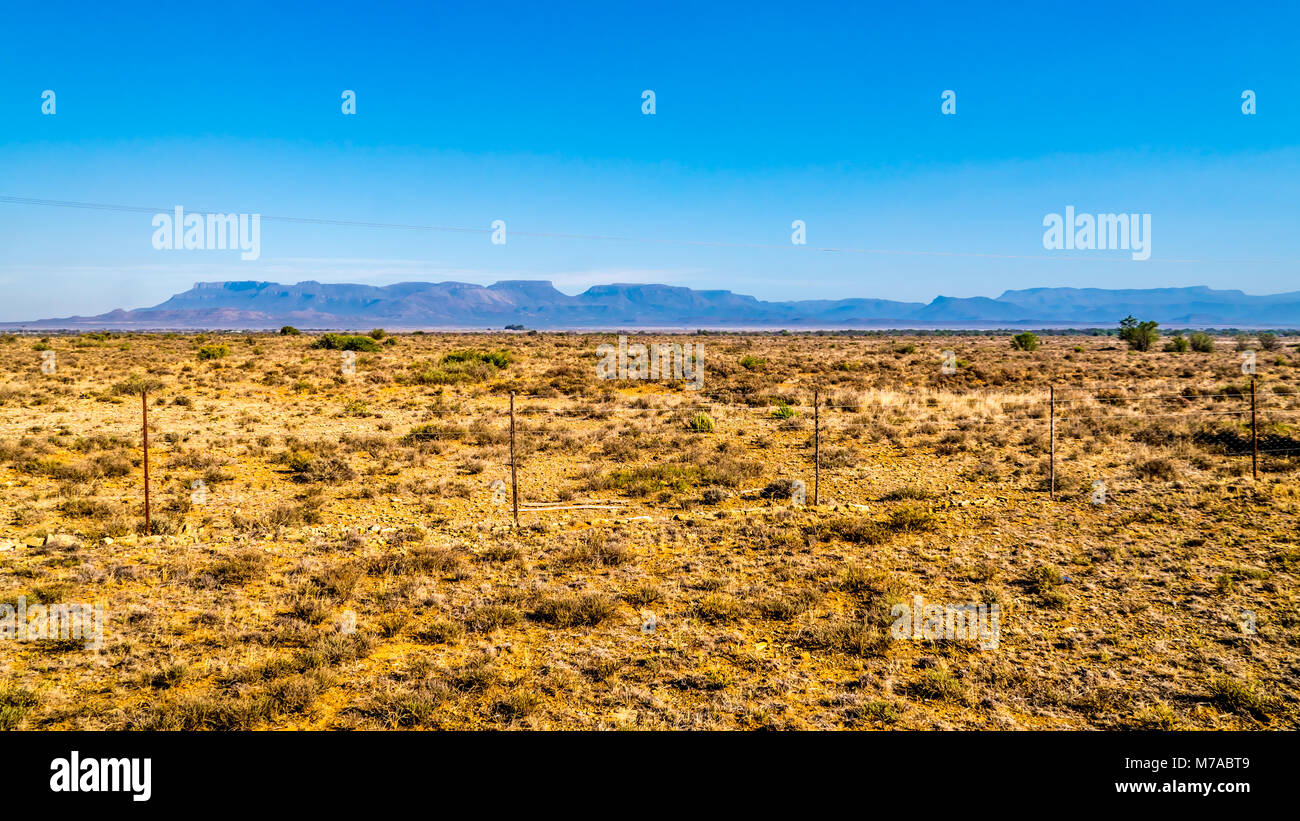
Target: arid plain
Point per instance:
(333, 544)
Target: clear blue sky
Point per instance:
(766, 113)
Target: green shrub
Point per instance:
(700, 423)
(213, 352)
(1025, 341)
(289, 330)
(346, 342)
(1201, 342)
(456, 367)
(497, 359)
(1177, 344)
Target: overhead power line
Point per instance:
(139, 209)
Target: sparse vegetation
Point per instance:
(352, 561)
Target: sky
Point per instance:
(532, 113)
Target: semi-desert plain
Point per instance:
(333, 543)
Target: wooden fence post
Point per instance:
(144, 416)
(1052, 469)
(817, 449)
(1254, 435)
(514, 483)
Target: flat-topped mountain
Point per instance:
(537, 304)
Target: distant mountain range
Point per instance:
(537, 304)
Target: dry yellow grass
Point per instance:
(327, 497)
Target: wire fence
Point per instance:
(1250, 431)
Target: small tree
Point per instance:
(1025, 341)
(1177, 344)
(289, 330)
(1202, 342)
(1140, 336)
(1268, 341)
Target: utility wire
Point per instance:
(98, 206)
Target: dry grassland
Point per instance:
(289, 500)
